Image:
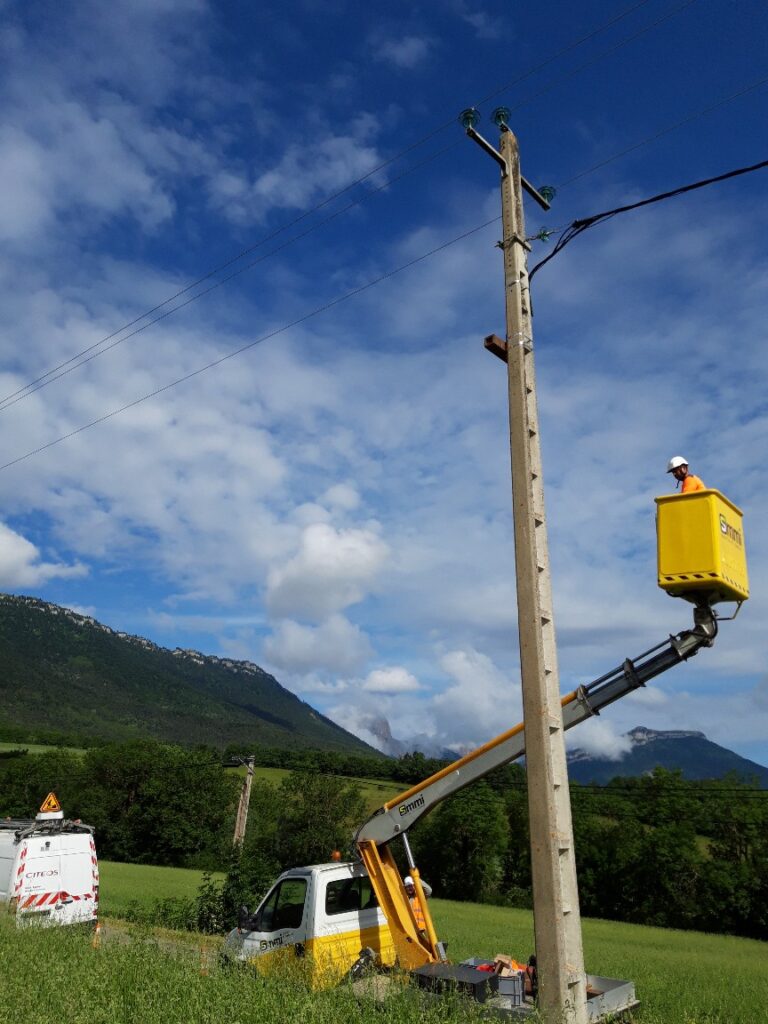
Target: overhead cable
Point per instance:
(571, 232)
(88, 354)
(252, 344)
(579, 226)
(53, 373)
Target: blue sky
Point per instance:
(334, 502)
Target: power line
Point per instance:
(252, 344)
(576, 228)
(666, 131)
(579, 226)
(628, 790)
(72, 364)
(30, 389)
(53, 374)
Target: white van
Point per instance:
(49, 873)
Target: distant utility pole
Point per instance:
(245, 799)
(557, 920)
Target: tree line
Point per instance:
(656, 850)
(150, 803)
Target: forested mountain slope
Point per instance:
(65, 673)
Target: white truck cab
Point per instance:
(49, 872)
(323, 914)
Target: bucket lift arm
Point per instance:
(416, 947)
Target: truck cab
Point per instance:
(322, 916)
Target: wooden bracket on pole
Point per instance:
(496, 346)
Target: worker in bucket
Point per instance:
(678, 467)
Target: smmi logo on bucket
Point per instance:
(730, 531)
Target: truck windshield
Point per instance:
(284, 907)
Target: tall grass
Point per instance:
(680, 977)
(56, 976)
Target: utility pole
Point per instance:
(245, 799)
(557, 919)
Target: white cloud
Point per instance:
(312, 683)
(599, 738)
(21, 565)
(363, 722)
(88, 611)
(342, 496)
(337, 160)
(480, 703)
(648, 697)
(391, 680)
(406, 52)
(331, 570)
(485, 26)
(336, 645)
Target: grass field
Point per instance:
(375, 791)
(52, 975)
(681, 977)
(37, 748)
(122, 884)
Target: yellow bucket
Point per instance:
(701, 552)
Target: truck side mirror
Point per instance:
(242, 917)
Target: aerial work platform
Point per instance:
(701, 552)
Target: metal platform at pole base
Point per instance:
(609, 998)
(612, 998)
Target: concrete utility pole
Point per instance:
(242, 808)
(557, 920)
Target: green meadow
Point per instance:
(52, 975)
(124, 884)
(39, 748)
(56, 975)
(375, 791)
(680, 977)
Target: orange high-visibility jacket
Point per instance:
(692, 483)
(418, 913)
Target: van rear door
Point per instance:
(41, 878)
(77, 899)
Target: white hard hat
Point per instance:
(675, 462)
(407, 880)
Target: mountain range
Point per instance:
(690, 752)
(68, 675)
(65, 675)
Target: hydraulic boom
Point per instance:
(419, 946)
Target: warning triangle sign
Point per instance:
(50, 803)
